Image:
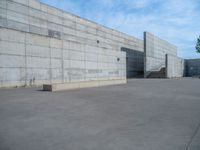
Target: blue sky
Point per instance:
(177, 21)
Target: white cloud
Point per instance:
(137, 3)
(174, 21)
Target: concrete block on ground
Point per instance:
(78, 85)
(89, 84)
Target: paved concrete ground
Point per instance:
(142, 115)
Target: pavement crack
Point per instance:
(193, 136)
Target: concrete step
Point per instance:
(158, 74)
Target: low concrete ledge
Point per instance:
(78, 85)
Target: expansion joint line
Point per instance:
(193, 136)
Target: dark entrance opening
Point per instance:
(134, 63)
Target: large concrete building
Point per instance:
(44, 45)
(161, 58)
(40, 44)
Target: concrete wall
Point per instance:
(192, 67)
(134, 63)
(155, 50)
(41, 44)
(175, 67)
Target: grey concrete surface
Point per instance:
(149, 114)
